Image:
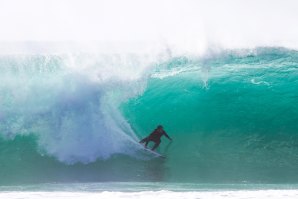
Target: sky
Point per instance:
(187, 23)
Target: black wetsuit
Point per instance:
(155, 137)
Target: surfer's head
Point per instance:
(159, 127)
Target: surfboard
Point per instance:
(154, 153)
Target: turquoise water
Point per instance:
(232, 116)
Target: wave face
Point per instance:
(233, 117)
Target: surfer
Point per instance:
(155, 137)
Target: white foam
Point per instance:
(264, 194)
(71, 103)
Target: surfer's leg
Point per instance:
(147, 141)
(144, 140)
(155, 145)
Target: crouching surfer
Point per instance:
(155, 137)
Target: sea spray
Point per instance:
(70, 103)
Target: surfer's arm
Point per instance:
(167, 135)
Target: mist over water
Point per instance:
(189, 26)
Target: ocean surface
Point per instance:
(149, 190)
(69, 121)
